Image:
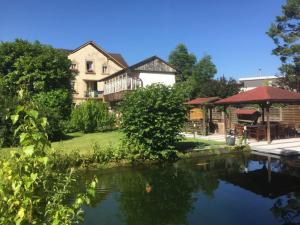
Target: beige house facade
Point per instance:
(91, 63)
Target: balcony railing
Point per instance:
(121, 83)
(93, 94)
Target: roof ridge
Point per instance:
(99, 48)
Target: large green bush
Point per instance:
(50, 105)
(43, 73)
(152, 117)
(91, 116)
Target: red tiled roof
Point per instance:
(200, 101)
(246, 111)
(261, 95)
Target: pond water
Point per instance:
(229, 190)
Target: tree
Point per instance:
(152, 117)
(43, 73)
(285, 32)
(204, 71)
(222, 87)
(183, 61)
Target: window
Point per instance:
(73, 66)
(89, 66)
(104, 69)
(73, 86)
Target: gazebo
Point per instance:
(204, 104)
(263, 96)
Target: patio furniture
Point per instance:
(259, 132)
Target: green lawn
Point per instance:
(84, 142)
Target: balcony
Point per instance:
(93, 94)
(114, 89)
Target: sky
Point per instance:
(233, 32)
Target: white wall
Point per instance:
(253, 82)
(151, 78)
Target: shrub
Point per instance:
(31, 190)
(153, 117)
(56, 106)
(43, 73)
(91, 116)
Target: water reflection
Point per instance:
(230, 189)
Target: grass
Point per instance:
(84, 142)
(192, 143)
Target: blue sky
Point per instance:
(231, 31)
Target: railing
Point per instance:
(121, 83)
(92, 94)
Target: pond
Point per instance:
(229, 189)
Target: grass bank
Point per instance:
(83, 144)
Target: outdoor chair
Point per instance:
(257, 132)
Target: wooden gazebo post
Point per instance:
(262, 112)
(204, 131)
(225, 122)
(268, 105)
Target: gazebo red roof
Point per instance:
(201, 101)
(261, 95)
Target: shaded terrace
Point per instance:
(265, 97)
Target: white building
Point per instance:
(253, 82)
(147, 72)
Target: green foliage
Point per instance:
(33, 67)
(221, 87)
(43, 73)
(183, 61)
(50, 105)
(285, 32)
(204, 71)
(91, 116)
(7, 106)
(31, 190)
(197, 79)
(153, 117)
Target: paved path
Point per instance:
(283, 147)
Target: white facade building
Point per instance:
(253, 82)
(149, 71)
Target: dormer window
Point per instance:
(104, 69)
(89, 66)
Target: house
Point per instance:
(91, 63)
(253, 82)
(147, 72)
